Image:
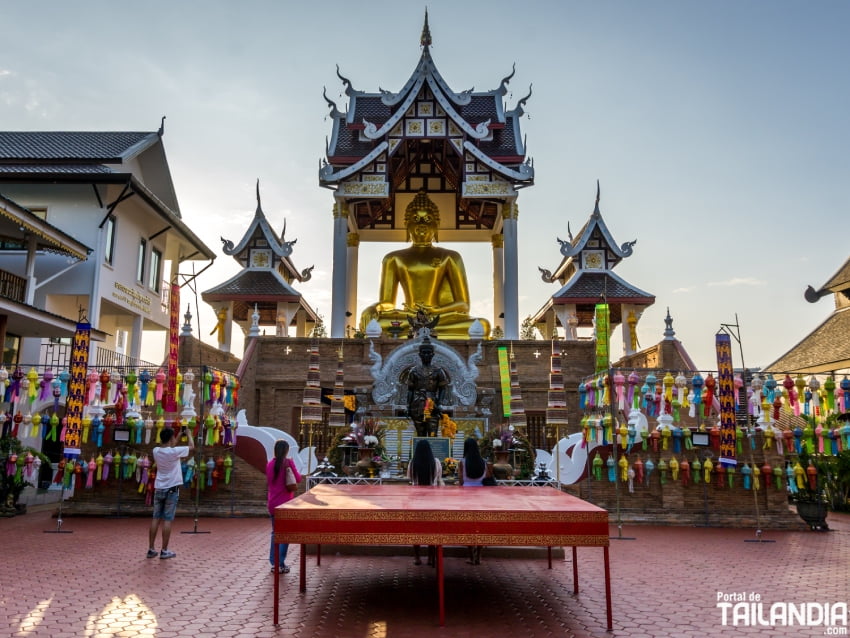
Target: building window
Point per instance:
(109, 248)
(11, 349)
(140, 263)
(154, 273)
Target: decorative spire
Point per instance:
(337, 415)
(259, 207)
(518, 418)
(425, 38)
(254, 331)
(556, 408)
(311, 405)
(187, 323)
(669, 333)
(596, 207)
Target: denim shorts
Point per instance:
(165, 503)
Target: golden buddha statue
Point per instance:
(432, 279)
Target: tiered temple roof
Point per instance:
(381, 144)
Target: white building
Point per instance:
(110, 195)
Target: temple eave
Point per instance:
(508, 159)
(249, 297)
(344, 160)
(599, 299)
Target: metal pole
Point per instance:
(750, 430)
(59, 529)
(199, 456)
(615, 433)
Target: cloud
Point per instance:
(683, 289)
(738, 281)
(5, 72)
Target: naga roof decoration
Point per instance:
(426, 108)
(838, 283)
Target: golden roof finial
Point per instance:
(425, 38)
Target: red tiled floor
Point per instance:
(96, 582)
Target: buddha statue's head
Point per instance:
(422, 219)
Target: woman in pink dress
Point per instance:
(279, 494)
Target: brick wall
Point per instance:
(244, 496)
(271, 392)
(697, 503)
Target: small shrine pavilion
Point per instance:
(586, 274)
(261, 294)
(465, 149)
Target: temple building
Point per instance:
(587, 277)
(463, 149)
(261, 294)
(826, 348)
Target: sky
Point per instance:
(718, 132)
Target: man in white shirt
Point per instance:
(169, 478)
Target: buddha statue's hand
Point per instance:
(383, 307)
(459, 307)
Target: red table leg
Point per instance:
(276, 582)
(441, 592)
(575, 571)
(302, 576)
(608, 592)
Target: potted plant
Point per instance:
(810, 499)
(12, 483)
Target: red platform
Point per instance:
(406, 515)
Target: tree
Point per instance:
(319, 331)
(528, 331)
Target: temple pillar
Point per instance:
(498, 242)
(136, 337)
(339, 297)
(30, 286)
(510, 212)
(351, 317)
(550, 326)
(301, 324)
(282, 319)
